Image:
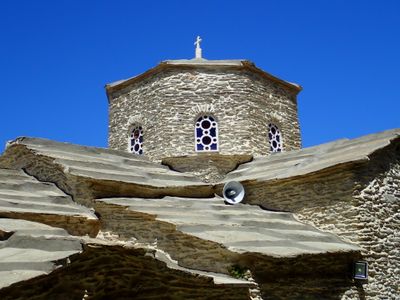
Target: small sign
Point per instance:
(361, 270)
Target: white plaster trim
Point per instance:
(203, 108)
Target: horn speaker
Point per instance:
(233, 192)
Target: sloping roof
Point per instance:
(309, 160)
(23, 194)
(105, 164)
(241, 228)
(200, 63)
(88, 172)
(206, 232)
(32, 249)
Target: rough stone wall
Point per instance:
(116, 272)
(361, 205)
(191, 252)
(210, 168)
(74, 225)
(168, 103)
(377, 197)
(308, 276)
(332, 187)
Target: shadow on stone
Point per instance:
(104, 272)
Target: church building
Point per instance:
(204, 192)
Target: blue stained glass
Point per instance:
(141, 139)
(206, 134)
(213, 132)
(199, 132)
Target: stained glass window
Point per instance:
(275, 138)
(136, 140)
(206, 134)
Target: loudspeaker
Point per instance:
(233, 192)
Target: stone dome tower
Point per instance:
(186, 112)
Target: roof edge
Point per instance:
(388, 138)
(196, 63)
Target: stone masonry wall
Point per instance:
(167, 104)
(377, 201)
(360, 204)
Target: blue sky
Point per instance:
(56, 57)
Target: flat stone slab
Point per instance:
(21, 193)
(87, 173)
(240, 228)
(106, 164)
(116, 272)
(24, 197)
(310, 160)
(32, 249)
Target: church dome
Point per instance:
(198, 107)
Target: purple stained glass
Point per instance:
(206, 140)
(206, 124)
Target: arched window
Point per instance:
(206, 133)
(136, 140)
(275, 138)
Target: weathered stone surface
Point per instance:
(371, 219)
(349, 188)
(88, 172)
(42, 262)
(289, 165)
(208, 235)
(32, 249)
(115, 272)
(24, 197)
(167, 101)
(239, 228)
(335, 188)
(210, 167)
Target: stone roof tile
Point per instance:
(305, 161)
(238, 63)
(32, 250)
(241, 228)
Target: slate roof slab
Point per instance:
(240, 228)
(32, 249)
